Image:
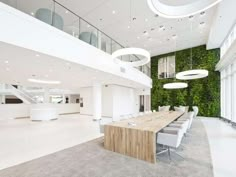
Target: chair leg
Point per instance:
(169, 153)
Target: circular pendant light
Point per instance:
(175, 85)
(180, 9)
(192, 74)
(131, 51)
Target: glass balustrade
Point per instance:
(62, 18)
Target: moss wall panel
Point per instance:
(204, 93)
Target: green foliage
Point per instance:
(204, 93)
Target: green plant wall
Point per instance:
(204, 93)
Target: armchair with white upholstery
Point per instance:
(172, 139)
(164, 108)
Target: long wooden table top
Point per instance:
(153, 122)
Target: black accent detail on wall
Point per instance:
(204, 93)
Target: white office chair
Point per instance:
(164, 108)
(188, 117)
(195, 110)
(180, 124)
(180, 109)
(172, 139)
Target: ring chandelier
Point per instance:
(180, 10)
(175, 85)
(131, 51)
(192, 74)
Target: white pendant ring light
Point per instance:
(131, 51)
(192, 74)
(180, 10)
(175, 85)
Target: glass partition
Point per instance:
(62, 18)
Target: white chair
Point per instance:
(195, 110)
(180, 109)
(188, 117)
(164, 108)
(185, 108)
(171, 140)
(180, 124)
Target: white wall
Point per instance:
(124, 101)
(87, 95)
(116, 101)
(107, 105)
(11, 111)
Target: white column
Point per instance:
(234, 94)
(2, 99)
(63, 99)
(97, 101)
(46, 96)
(99, 40)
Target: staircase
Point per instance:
(21, 94)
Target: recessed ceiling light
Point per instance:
(6, 62)
(128, 27)
(174, 36)
(203, 13)
(202, 23)
(44, 81)
(191, 17)
(37, 55)
(32, 13)
(146, 19)
(113, 12)
(66, 11)
(145, 33)
(88, 26)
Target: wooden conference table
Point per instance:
(136, 137)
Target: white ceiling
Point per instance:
(157, 40)
(17, 65)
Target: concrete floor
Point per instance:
(222, 140)
(22, 140)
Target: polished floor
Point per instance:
(222, 140)
(22, 140)
(92, 160)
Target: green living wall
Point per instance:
(204, 93)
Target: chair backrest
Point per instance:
(170, 139)
(164, 108)
(185, 108)
(190, 116)
(49, 17)
(195, 109)
(180, 109)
